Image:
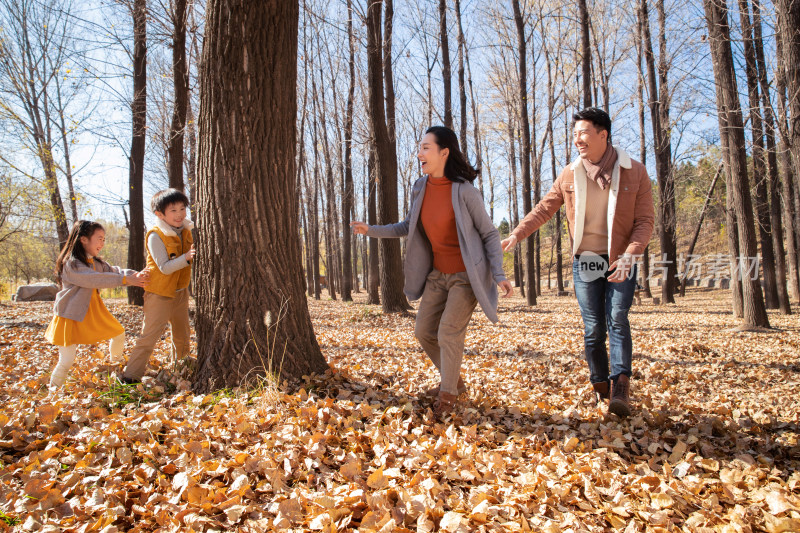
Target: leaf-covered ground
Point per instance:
(713, 444)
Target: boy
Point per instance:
(170, 250)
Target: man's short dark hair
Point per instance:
(596, 116)
(163, 199)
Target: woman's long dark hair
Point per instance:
(456, 168)
(74, 248)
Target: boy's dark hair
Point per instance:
(456, 168)
(596, 116)
(73, 248)
(163, 199)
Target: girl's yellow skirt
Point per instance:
(98, 325)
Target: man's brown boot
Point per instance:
(600, 391)
(620, 397)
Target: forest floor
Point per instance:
(712, 446)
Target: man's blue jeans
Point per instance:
(604, 308)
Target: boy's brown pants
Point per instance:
(158, 312)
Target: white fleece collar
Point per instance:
(167, 229)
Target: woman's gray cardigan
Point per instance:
(78, 280)
(477, 237)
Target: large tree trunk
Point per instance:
(788, 48)
(347, 196)
(391, 280)
(136, 161)
(789, 34)
(180, 80)
(732, 130)
(659, 111)
(525, 156)
(787, 179)
(772, 166)
(446, 73)
(586, 53)
(759, 160)
(247, 173)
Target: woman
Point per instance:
(453, 258)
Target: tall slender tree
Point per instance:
(180, 81)
(638, 39)
(788, 24)
(731, 126)
(525, 156)
(586, 53)
(788, 81)
(374, 268)
(391, 282)
(787, 179)
(760, 175)
(136, 159)
(446, 72)
(660, 121)
(347, 194)
(462, 89)
(772, 169)
(33, 51)
(551, 104)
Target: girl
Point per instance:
(453, 258)
(80, 316)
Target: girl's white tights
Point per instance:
(115, 346)
(66, 357)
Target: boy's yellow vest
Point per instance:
(160, 283)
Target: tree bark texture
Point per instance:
(462, 89)
(348, 196)
(731, 123)
(525, 156)
(775, 210)
(659, 112)
(446, 71)
(136, 257)
(391, 279)
(760, 175)
(247, 200)
(586, 53)
(180, 81)
(788, 46)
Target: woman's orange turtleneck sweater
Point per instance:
(439, 221)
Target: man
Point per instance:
(609, 206)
